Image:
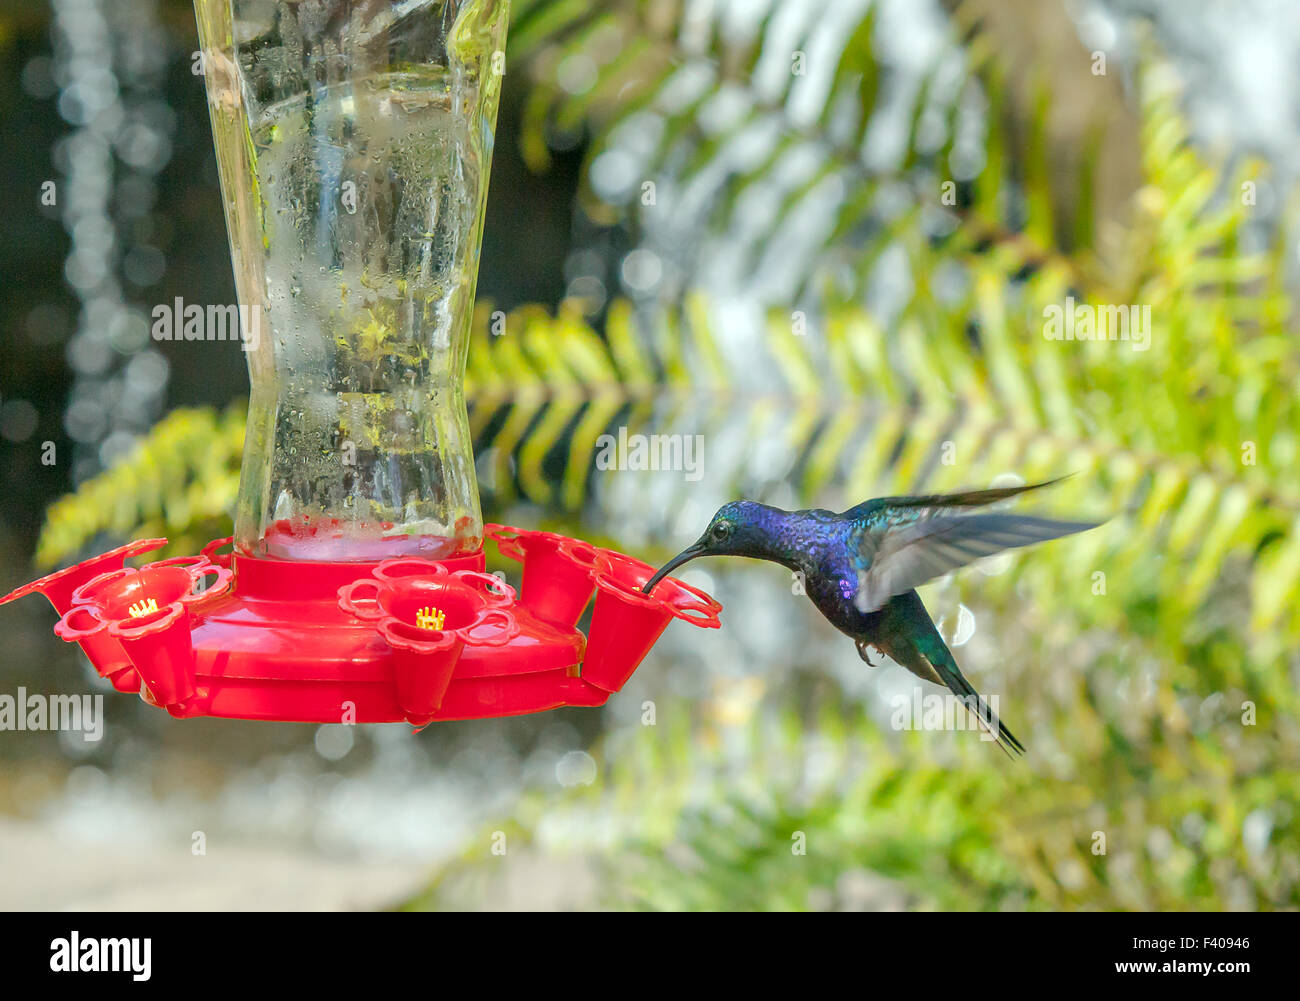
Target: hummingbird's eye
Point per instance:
(721, 530)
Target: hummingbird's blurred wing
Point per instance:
(900, 550)
(966, 498)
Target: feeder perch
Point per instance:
(354, 160)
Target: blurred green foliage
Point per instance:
(1156, 659)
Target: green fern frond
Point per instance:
(722, 111)
(180, 481)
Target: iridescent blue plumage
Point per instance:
(861, 568)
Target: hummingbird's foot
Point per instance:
(863, 647)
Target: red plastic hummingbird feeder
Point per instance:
(354, 589)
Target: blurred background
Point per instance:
(822, 235)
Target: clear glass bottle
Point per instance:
(354, 140)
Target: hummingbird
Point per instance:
(861, 568)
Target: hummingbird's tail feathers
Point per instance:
(975, 704)
(966, 498)
(923, 652)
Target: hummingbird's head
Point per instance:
(738, 529)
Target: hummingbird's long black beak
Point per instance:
(685, 556)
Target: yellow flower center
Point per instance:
(430, 618)
(142, 608)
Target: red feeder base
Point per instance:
(402, 639)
